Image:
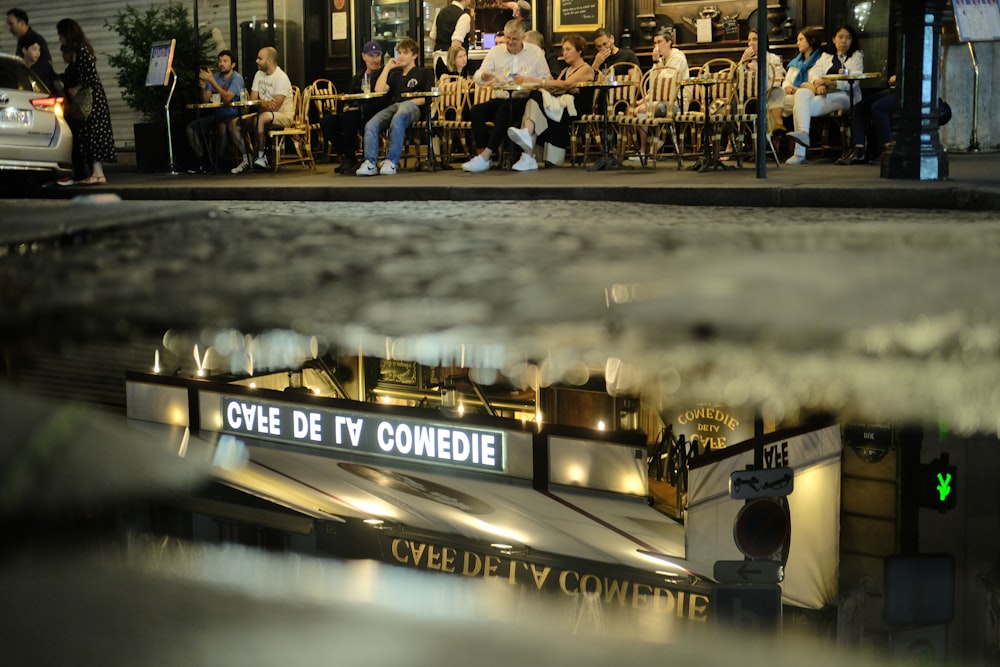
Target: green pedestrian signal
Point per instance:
(937, 484)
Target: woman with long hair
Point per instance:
(456, 63)
(93, 139)
(808, 94)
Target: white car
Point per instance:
(36, 144)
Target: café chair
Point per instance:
(739, 118)
(321, 108)
(691, 121)
(451, 111)
(299, 133)
(658, 86)
(619, 101)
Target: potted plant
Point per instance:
(138, 31)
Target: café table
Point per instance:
(851, 77)
(510, 87)
(236, 104)
(431, 162)
(708, 160)
(607, 160)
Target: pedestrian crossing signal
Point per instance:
(938, 481)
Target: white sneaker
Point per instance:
(241, 167)
(522, 138)
(261, 162)
(526, 163)
(799, 138)
(477, 165)
(795, 159)
(367, 168)
(388, 168)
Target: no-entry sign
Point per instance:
(761, 528)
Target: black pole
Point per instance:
(917, 153)
(762, 71)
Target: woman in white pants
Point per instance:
(807, 94)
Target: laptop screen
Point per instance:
(489, 40)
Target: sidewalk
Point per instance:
(974, 184)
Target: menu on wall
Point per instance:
(578, 15)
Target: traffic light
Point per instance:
(938, 482)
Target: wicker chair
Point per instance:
(658, 87)
(299, 133)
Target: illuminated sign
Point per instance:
(413, 440)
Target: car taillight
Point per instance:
(53, 104)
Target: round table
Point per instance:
(852, 77)
(237, 104)
(340, 97)
(431, 162)
(707, 160)
(607, 160)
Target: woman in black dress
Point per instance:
(93, 140)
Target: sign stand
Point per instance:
(170, 136)
(159, 73)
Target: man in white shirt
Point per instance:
(273, 90)
(502, 62)
(452, 27)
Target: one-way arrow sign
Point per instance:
(770, 483)
(749, 571)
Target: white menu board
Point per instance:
(978, 20)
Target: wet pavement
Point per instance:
(876, 314)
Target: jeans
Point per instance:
(397, 117)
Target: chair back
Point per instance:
(660, 86)
(323, 87)
(620, 99)
(482, 94)
(454, 97)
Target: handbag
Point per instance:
(81, 104)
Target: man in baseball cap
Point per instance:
(342, 129)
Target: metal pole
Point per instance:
(762, 71)
(974, 138)
(170, 137)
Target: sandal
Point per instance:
(92, 180)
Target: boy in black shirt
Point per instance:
(400, 75)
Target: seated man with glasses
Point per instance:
(501, 64)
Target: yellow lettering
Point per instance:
(640, 600)
(616, 591)
(540, 575)
(669, 601)
(585, 582)
(433, 558)
(564, 582)
(400, 557)
(492, 564)
(448, 560)
(471, 558)
(697, 606)
(680, 604)
(418, 552)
